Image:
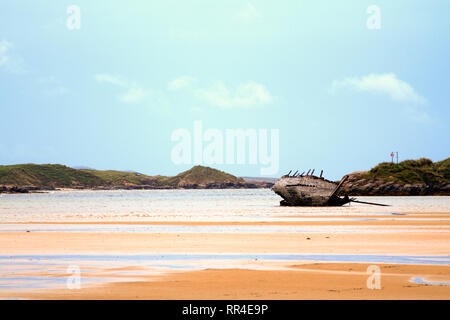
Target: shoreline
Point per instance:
(250, 186)
(25, 190)
(46, 191)
(62, 242)
(302, 281)
(241, 252)
(419, 222)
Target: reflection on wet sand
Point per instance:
(219, 244)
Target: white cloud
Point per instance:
(247, 13)
(418, 115)
(387, 83)
(8, 61)
(246, 95)
(56, 91)
(133, 94)
(52, 86)
(181, 82)
(116, 80)
(4, 47)
(47, 80)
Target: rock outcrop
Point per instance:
(357, 185)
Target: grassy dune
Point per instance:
(422, 171)
(46, 175)
(112, 177)
(201, 176)
(59, 176)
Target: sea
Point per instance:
(48, 210)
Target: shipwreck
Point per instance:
(310, 190)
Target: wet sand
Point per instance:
(426, 243)
(308, 281)
(278, 280)
(320, 256)
(342, 222)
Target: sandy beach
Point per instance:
(317, 254)
(277, 280)
(308, 281)
(417, 243)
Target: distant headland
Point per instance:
(35, 177)
(409, 177)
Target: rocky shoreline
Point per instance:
(16, 189)
(355, 186)
(358, 186)
(229, 185)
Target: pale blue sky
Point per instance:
(110, 94)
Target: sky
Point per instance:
(107, 84)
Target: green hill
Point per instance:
(202, 176)
(115, 178)
(59, 176)
(422, 171)
(48, 176)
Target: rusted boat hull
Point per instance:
(332, 202)
(310, 191)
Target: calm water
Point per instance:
(51, 271)
(223, 205)
(45, 271)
